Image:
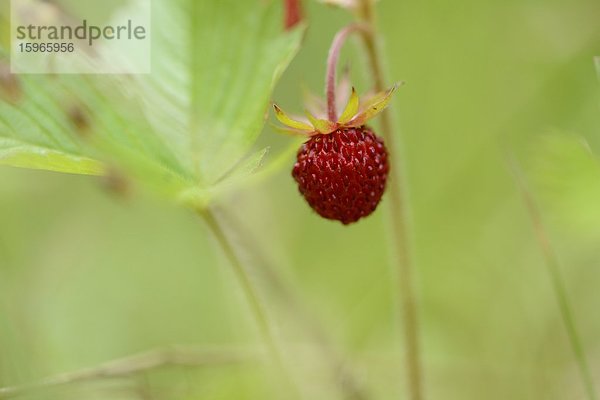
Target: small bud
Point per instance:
(293, 13)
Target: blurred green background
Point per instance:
(87, 276)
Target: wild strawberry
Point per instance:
(342, 175)
(343, 167)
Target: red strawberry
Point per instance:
(342, 169)
(342, 175)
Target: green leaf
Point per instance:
(291, 122)
(374, 106)
(351, 108)
(215, 64)
(34, 131)
(181, 129)
(242, 172)
(18, 154)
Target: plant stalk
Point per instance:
(181, 356)
(397, 205)
(558, 284)
(257, 307)
(350, 385)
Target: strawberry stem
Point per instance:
(399, 213)
(332, 60)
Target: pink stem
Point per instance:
(332, 59)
